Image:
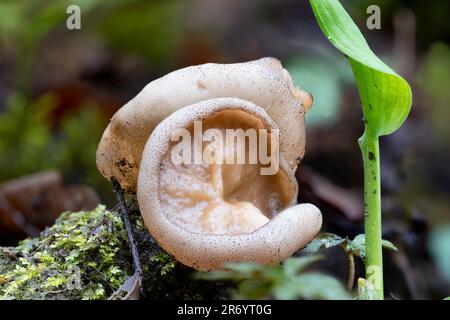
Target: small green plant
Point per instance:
(386, 101)
(352, 248)
(286, 281)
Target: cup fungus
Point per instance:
(209, 212)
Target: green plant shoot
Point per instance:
(386, 101)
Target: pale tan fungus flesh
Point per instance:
(222, 198)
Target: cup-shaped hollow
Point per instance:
(254, 216)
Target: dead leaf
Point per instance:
(29, 204)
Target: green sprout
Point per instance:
(386, 101)
(352, 248)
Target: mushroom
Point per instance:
(211, 212)
(264, 82)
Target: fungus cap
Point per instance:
(263, 241)
(264, 82)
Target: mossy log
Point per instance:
(86, 255)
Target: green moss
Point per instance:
(166, 262)
(84, 255)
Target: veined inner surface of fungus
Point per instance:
(219, 197)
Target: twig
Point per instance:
(126, 219)
(351, 271)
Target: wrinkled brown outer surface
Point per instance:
(284, 234)
(263, 82)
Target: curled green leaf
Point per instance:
(385, 96)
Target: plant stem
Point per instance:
(372, 211)
(351, 270)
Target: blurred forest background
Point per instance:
(59, 87)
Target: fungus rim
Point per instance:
(279, 238)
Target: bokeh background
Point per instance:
(59, 87)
